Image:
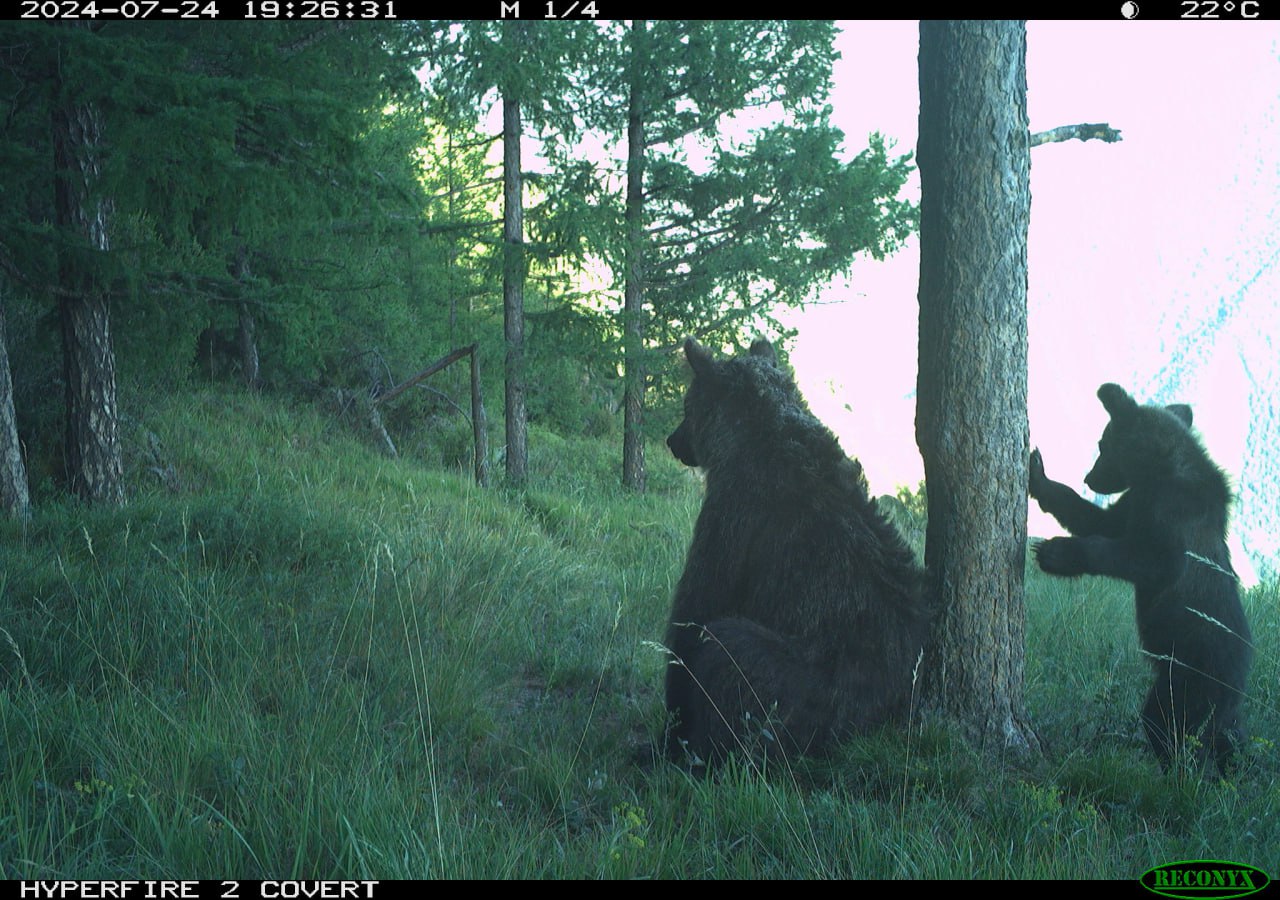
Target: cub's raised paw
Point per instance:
(1036, 478)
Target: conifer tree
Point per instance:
(14, 497)
(723, 223)
(230, 163)
(524, 70)
(971, 420)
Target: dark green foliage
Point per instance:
(285, 175)
(265, 173)
(573, 389)
(739, 220)
(766, 227)
(710, 222)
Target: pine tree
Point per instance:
(233, 166)
(14, 497)
(522, 68)
(82, 213)
(721, 224)
(971, 420)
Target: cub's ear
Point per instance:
(699, 359)
(763, 349)
(1182, 411)
(1116, 401)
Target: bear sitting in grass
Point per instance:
(799, 617)
(1166, 535)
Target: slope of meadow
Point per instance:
(293, 657)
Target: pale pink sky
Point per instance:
(1133, 246)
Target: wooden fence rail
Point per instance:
(478, 420)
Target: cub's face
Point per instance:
(1134, 441)
(1107, 475)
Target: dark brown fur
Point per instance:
(1166, 535)
(799, 616)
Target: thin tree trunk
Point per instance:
(479, 424)
(14, 498)
(92, 447)
(633, 470)
(513, 271)
(247, 342)
(452, 260)
(971, 421)
(246, 332)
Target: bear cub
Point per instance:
(799, 617)
(1167, 535)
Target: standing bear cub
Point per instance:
(1166, 535)
(799, 617)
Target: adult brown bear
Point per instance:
(1166, 535)
(799, 617)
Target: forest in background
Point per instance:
(314, 207)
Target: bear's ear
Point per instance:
(1116, 401)
(1182, 411)
(763, 349)
(699, 359)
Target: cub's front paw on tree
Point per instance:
(1036, 480)
(1060, 556)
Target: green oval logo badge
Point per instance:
(1193, 879)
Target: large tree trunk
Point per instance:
(971, 419)
(14, 498)
(92, 448)
(513, 269)
(633, 472)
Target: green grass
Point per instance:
(312, 661)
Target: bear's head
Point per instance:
(726, 396)
(1139, 443)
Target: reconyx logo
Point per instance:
(1197, 878)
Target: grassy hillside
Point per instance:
(292, 657)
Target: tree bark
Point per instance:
(479, 426)
(633, 470)
(1085, 132)
(513, 270)
(246, 331)
(247, 343)
(92, 448)
(14, 498)
(971, 419)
